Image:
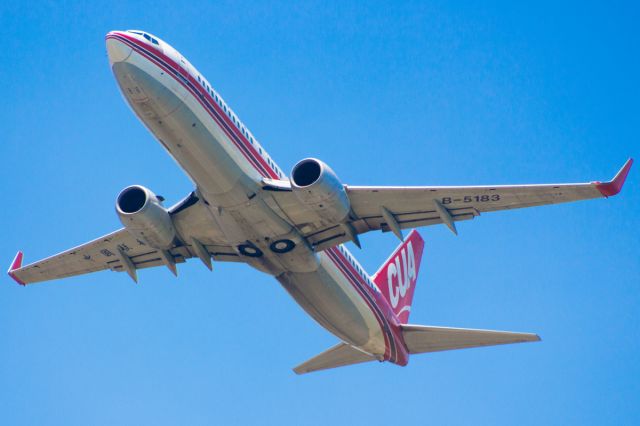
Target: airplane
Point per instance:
(245, 209)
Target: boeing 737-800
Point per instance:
(245, 209)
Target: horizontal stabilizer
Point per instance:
(338, 356)
(421, 338)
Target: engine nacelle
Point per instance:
(143, 215)
(320, 190)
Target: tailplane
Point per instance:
(397, 277)
(338, 356)
(422, 338)
(418, 339)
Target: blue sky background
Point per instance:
(390, 93)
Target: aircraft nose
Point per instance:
(116, 49)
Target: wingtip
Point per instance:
(530, 337)
(613, 187)
(16, 264)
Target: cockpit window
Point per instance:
(145, 35)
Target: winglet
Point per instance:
(16, 264)
(611, 188)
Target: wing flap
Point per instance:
(338, 356)
(423, 339)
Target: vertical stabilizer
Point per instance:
(397, 277)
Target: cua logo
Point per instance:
(400, 274)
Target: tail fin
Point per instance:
(397, 277)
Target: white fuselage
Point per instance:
(228, 165)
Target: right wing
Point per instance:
(120, 251)
(422, 338)
(393, 208)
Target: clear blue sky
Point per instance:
(386, 93)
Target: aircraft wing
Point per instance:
(390, 208)
(121, 252)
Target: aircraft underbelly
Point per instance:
(190, 136)
(329, 299)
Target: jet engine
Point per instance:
(142, 214)
(320, 190)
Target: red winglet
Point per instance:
(16, 264)
(609, 189)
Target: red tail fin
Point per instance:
(397, 277)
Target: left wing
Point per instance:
(121, 252)
(390, 208)
(118, 251)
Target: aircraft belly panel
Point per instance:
(181, 124)
(329, 299)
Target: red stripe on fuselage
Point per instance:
(230, 129)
